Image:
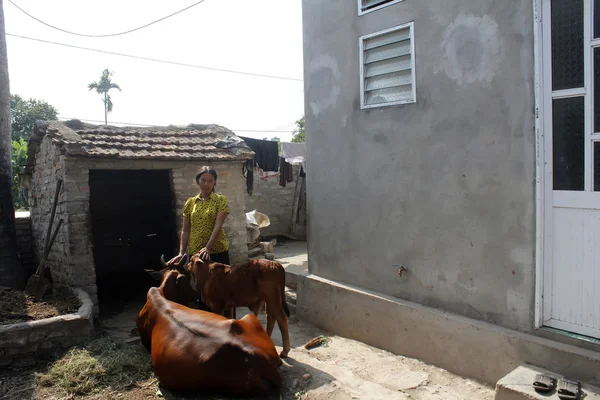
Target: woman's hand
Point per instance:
(204, 254)
(174, 260)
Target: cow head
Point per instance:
(175, 282)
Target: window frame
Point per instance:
(379, 7)
(361, 56)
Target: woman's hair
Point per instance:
(204, 170)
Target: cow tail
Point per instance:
(283, 302)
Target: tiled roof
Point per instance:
(193, 142)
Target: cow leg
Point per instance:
(257, 307)
(270, 322)
(229, 313)
(282, 321)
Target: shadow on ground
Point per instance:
(291, 372)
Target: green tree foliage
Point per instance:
(24, 113)
(19, 159)
(298, 135)
(103, 86)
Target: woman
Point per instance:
(202, 231)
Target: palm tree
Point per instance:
(102, 87)
(10, 266)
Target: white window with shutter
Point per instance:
(387, 67)
(366, 6)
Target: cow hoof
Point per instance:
(284, 353)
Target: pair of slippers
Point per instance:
(567, 389)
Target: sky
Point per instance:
(262, 37)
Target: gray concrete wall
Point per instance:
(444, 186)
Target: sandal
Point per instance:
(544, 383)
(568, 389)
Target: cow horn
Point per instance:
(162, 261)
(183, 262)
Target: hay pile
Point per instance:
(102, 364)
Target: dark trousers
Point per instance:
(222, 258)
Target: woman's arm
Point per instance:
(220, 219)
(183, 245)
(185, 236)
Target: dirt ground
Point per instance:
(17, 306)
(341, 370)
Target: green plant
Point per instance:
(19, 160)
(299, 135)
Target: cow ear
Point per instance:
(179, 279)
(157, 275)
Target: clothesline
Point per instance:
(267, 159)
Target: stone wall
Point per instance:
(24, 343)
(48, 167)
(273, 200)
(24, 242)
(71, 261)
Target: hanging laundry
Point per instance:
(294, 153)
(285, 172)
(265, 175)
(266, 153)
(248, 173)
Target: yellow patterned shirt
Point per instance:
(203, 215)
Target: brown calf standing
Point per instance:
(252, 284)
(197, 350)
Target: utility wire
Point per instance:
(109, 34)
(155, 59)
(147, 125)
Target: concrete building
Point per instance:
(122, 199)
(453, 203)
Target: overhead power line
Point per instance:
(155, 59)
(149, 125)
(109, 34)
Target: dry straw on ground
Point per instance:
(102, 364)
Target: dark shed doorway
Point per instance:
(133, 223)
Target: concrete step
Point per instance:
(517, 386)
(293, 273)
(290, 298)
(290, 295)
(292, 308)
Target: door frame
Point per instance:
(542, 123)
(538, 44)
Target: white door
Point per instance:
(571, 141)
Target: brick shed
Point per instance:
(122, 198)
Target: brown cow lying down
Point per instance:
(252, 284)
(195, 350)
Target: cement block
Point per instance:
(268, 247)
(517, 386)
